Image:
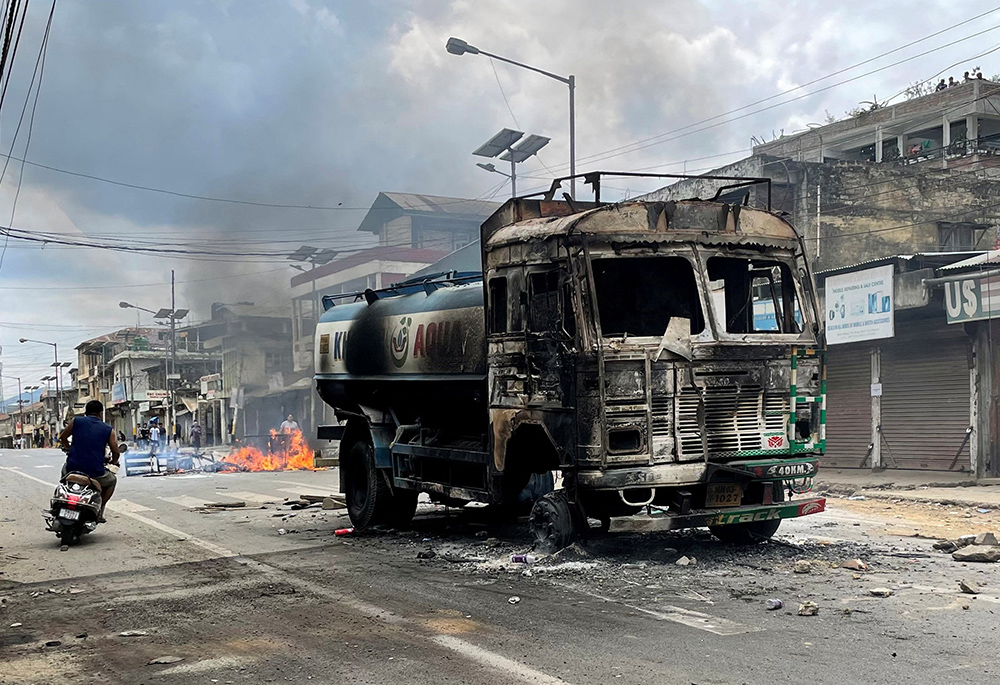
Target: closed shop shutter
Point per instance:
(925, 397)
(848, 406)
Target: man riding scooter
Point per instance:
(86, 453)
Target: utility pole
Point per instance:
(173, 357)
(20, 414)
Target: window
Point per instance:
(498, 305)
(640, 295)
(959, 237)
(277, 361)
(543, 312)
(753, 296)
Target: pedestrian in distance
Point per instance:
(154, 438)
(196, 434)
(289, 425)
(942, 84)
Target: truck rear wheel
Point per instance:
(370, 500)
(746, 533)
(367, 493)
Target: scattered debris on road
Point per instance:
(979, 553)
(773, 604)
(164, 660)
(808, 609)
(133, 633)
(513, 600)
(968, 587)
(880, 592)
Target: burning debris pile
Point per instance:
(284, 452)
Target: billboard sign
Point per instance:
(859, 306)
(972, 299)
(118, 392)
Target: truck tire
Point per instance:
(554, 521)
(367, 493)
(746, 533)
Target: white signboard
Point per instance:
(859, 306)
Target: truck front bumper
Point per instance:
(720, 517)
(693, 473)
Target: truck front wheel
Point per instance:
(746, 533)
(555, 521)
(368, 495)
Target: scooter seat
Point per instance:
(82, 479)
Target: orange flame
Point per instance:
(286, 451)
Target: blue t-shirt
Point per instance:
(86, 452)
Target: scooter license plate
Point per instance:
(70, 514)
(724, 495)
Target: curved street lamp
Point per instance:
(457, 46)
(58, 367)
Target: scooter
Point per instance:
(75, 507)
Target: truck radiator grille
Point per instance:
(734, 419)
(663, 416)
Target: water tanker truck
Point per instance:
(664, 357)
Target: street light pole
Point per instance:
(457, 46)
(55, 349)
(170, 355)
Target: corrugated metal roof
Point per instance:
(926, 259)
(988, 257)
(415, 202)
(388, 206)
(120, 336)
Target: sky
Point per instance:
(320, 103)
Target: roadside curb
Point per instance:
(907, 495)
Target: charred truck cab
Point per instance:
(665, 357)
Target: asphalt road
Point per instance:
(240, 603)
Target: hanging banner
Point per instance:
(118, 392)
(972, 299)
(859, 306)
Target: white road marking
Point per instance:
(334, 487)
(692, 619)
(252, 496)
(126, 505)
(467, 649)
(44, 466)
(470, 651)
(306, 490)
(180, 535)
(496, 661)
(186, 501)
(207, 665)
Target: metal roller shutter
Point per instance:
(848, 406)
(925, 398)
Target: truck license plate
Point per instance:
(724, 495)
(70, 514)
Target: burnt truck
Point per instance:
(665, 358)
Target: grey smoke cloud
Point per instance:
(314, 102)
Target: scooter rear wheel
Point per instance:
(66, 536)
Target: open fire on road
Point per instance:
(284, 452)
